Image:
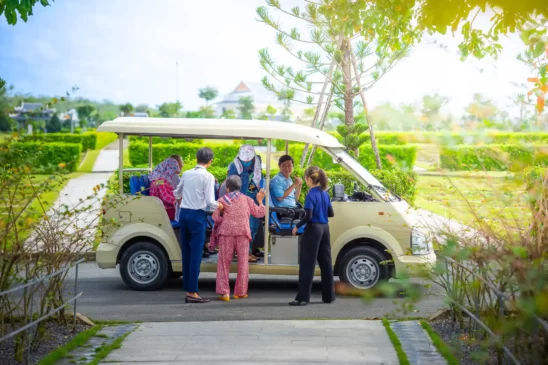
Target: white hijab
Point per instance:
(247, 153)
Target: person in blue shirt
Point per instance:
(248, 166)
(284, 191)
(316, 242)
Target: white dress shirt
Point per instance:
(197, 189)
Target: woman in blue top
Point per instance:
(315, 243)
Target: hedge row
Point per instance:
(447, 138)
(43, 157)
(493, 157)
(391, 157)
(164, 140)
(138, 152)
(89, 141)
(400, 182)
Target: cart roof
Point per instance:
(219, 128)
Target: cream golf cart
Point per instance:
(370, 227)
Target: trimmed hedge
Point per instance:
(493, 157)
(45, 157)
(103, 139)
(391, 157)
(400, 182)
(138, 152)
(164, 140)
(88, 140)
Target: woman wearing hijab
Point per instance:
(248, 166)
(163, 180)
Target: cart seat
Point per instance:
(283, 220)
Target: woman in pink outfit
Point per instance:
(233, 234)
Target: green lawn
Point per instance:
(89, 161)
(498, 201)
(428, 156)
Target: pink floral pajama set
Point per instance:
(232, 233)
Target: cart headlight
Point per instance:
(420, 243)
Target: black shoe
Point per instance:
(212, 252)
(258, 253)
(329, 301)
(196, 300)
(298, 303)
(205, 255)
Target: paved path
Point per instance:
(106, 297)
(107, 161)
(257, 342)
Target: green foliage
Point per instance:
(138, 152)
(164, 140)
(228, 114)
(208, 93)
(54, 124)
(352, 137)
(88, 141)
(402, 356)
(85, 113)
(391, 157)
(169, 110)
(246, 107)
(442, 347)
(6, 123)
(399, 182)
(47, 157)
(10, 9)
(104, 139)
(127, 109)
(492, 157)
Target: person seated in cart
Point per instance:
(248, 166)
(163, 181)
(284, 191)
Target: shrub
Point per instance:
(164, 140)
(46, 157)
(103, 139)
(138, 152)
(391, 157)
(400, 182)
(493, 157)
(88, 141)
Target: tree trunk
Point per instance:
(368, 118)
(347, 80)
(322, 123)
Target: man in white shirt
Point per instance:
(195, 194)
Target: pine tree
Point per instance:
(338, 66)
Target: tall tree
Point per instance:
(169, 110)
(142, 108)
(127, 109)
(431, 106)
(345, 63)
(54, 124)
(85, 113)
(246, 107)
(481, 108)
(228, 114)
(208, 93)
(207, 111)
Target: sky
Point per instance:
(127, 50)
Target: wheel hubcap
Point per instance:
(143, 267)
(363, 272)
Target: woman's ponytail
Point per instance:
(317, 176)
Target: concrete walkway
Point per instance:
(107, 161)
(257, 342)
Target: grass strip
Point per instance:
(402, 356)
(77, 341)
(441, 346)
(104, 351)
(89, 161)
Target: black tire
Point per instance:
(153, 261)
(361, 267)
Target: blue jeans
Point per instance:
(193, 226)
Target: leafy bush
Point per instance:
(400, 182)
(493, 157)
(138, 152)
(88, 141)
(103, 139)
(46, 157)
(164, 140)
(391, 157)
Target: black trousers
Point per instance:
(315, 246)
